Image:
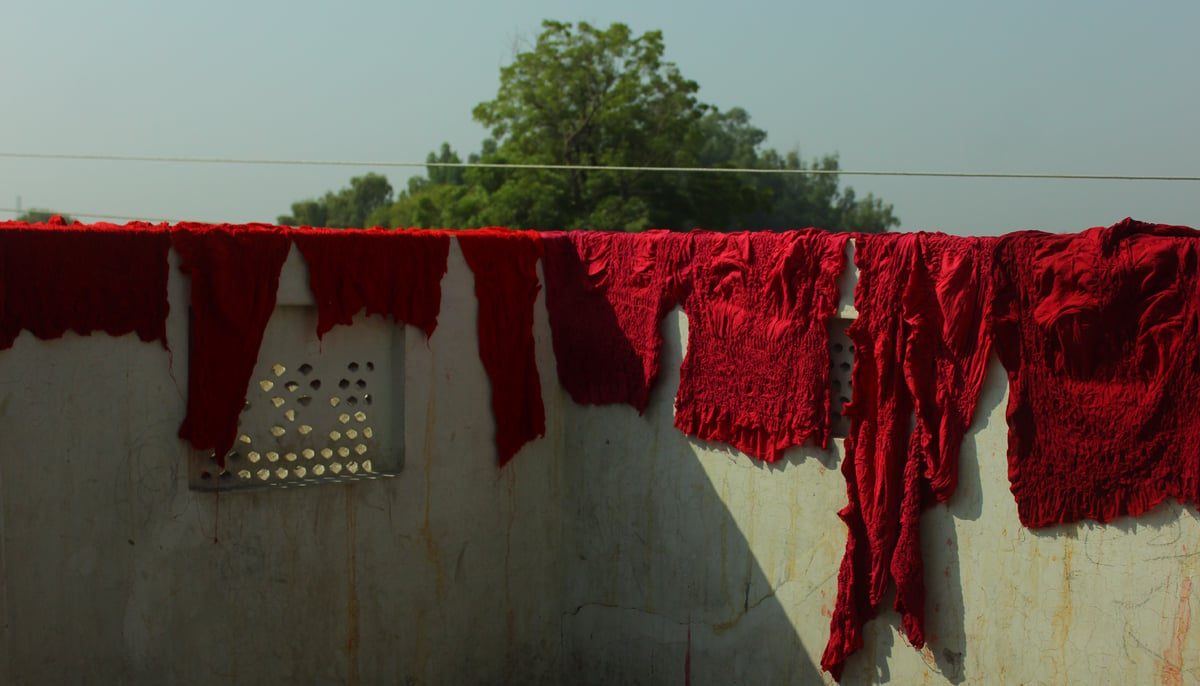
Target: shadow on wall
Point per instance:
(662, 584)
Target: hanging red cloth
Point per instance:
(396, 273)
(506, 286)
(606, 295)
(756, 372)
(56, 278)
(921, 349)
(1100, 334)
(234, 278)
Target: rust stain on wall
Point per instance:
(1171, 672)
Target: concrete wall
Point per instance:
(615, 550)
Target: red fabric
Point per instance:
(56, 278)
(756, 373)
(397, 273)
(506, 286)
(234, 278)
(1100, 334)
(921, 348)
(606, 294)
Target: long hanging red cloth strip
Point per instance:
(921, 348)
(234, 278)
(391, 273)
(756, 372)
(606, 295)
(56, 278)
(1100, 334)
(506, 286)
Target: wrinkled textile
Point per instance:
(921, 348)
(1100, 334)
(756, 372)
(506, 286)
(234, 278)
(390, 273)
(56, 278)
(606, 294)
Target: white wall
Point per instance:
(588, 559)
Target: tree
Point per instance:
(582, 96)
(348, 208)
(36, 216)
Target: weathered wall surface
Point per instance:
(615, 550)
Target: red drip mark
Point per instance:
(687, 656)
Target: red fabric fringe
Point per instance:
(1100, 334)
(234, 278)
(390, 273)
(921, 347)
(756, 373)
(606, 294)
(56, 278)
(506, 286)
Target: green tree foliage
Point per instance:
(36, 216)
(347, 208)
(591, 97)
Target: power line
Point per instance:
(95, 215)
(594, 167)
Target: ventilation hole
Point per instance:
(305, 368)
(244, 439)
(336, 467)
(278, 431)
(277, 401)
(315, 384)
(344, 418)
(360, 416)
(361, 383)
(344, 384)
(205, 475)
(300, 472)
(367, 398)
(326, 453)
(272, 456)
(837, 384)
(264, 474)
(246, 406)
(305, 429)
(291, 415)
(367, 432)
(360, 448)
(290, 457)
(226, 476)
(333, 402)
(308, 453)
(352, 467)
(352, 400)
(244, 474)
(253, 456)
(304, 400)
(335, 436)
(318, 469)
(852, 348)
(281, 473)
(266, 384)
(278, 369)
(352, 434)
(353, 366)
(371, 366)
(366, 464)
(233, 455)
(837, 347)
(343, 452)
(845, 366)
(291, 386)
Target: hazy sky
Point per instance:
(1104, 87)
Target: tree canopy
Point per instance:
(584, 96)
(36, 216)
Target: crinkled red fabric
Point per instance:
(391, 273)
(921, 347)
(606, 295)
(756, 372)
(234, 278)
(1100, 334)
(56, 278)
(506, 286)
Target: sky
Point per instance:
(1100, 87)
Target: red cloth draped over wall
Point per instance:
(606, 295)
(391, 273)
(1100, 334)
(506, 286)
(56, 278)
(756, 373)
(921, 347)
(234, 278)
